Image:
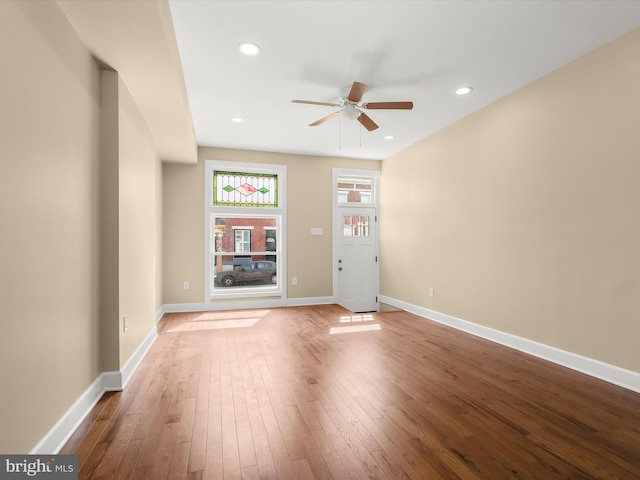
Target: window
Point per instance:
(355, 225)
(240, 244)
(244, 215)
(242, 240)
(245, 189)
(270, 242)
(355, 189)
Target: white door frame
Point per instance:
(337, 172)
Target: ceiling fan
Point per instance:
(351, 103)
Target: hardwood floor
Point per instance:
(318, 393)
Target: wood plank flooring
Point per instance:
(318, 393)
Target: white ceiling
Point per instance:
(404, 50)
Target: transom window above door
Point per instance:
(355, 189)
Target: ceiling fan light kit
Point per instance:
(351, 105)
(249, 48)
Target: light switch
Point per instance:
(317, 231)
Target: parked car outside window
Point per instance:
(260, 272)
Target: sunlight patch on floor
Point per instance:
(222, 320)
(355, 328)
(356, 318)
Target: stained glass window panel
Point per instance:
(244, 189)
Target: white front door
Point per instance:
(356, 265)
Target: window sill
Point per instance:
(245, 292)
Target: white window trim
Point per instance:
(279, 292)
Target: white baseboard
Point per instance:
(64, 428)
(111, 382)
(302, 302)
(159, 314)
(182, 307)
(56, 438)
(241, 304)
(132, 364)
(610, 373)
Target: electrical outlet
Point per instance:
(125, 324)
(185, 285)
(431, 291)
(294, 281)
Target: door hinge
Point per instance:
(376, 299)
(375, 218)
(376, 258)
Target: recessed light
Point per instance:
(237, 119)
(463, 90)
(389, 137)
(249, 48)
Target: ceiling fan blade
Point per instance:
(357, 91)
(309, 102)
(388, 105)
(324, 119)
(366, 121)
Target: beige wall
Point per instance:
(524, 216)
(49, 347)
(138, 229)
(309, 205)
(108, 218)
(79, 190)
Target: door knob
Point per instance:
(339, 269)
